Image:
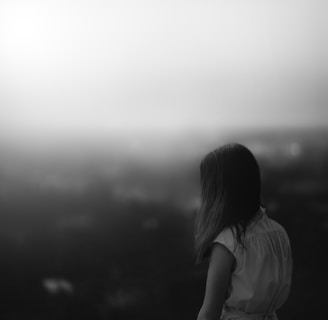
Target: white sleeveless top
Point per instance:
(261, 280)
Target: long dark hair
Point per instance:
(230, 195)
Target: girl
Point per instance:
(250, 261)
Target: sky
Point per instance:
(95, 67)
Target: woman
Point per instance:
(250, 261)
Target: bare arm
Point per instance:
(218, 277)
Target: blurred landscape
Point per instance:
(103, 231)
(107, 108)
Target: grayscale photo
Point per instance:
(163, 160)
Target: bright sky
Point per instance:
(93, 66)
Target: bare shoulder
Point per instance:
(221, 258)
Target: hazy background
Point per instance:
(106, 109)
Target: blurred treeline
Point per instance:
(85, 244)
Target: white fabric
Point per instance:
(261, 280)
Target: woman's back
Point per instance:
(249, 273)
(261, 279)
